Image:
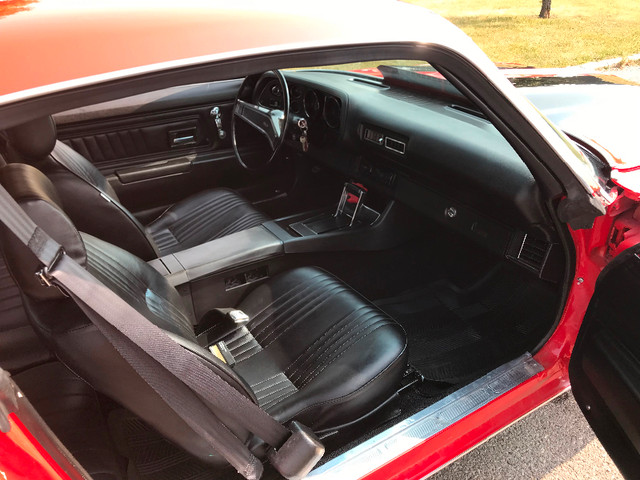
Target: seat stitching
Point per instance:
(320, 339)
(194, 217)
(248, 354)
(284, 307)
(255, 322)
(246, 350)
(266, 380)
(242, 223)
(282, 382)
(324, 350)
(293, 320)
(335, 346)
(218, 207)
(275, 401)
(308, 379)
(283, 317)
(246, 338)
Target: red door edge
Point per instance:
(23, 457)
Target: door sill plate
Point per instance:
(414, 430)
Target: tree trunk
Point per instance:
(545, 11)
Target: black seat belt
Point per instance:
(179, 377)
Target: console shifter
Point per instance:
(350, 208)
(350, 201)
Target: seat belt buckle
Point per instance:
(223, 353)
(46, 280)
(299, 453)
(238, 317)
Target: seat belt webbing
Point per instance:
(144, 346)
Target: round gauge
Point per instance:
(296, 92)
(275, 90)
(295, 106)
(331, 112)
(311, 104)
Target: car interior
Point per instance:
(344, 245)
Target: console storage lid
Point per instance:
(240, 248)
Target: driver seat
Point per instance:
(93, 205)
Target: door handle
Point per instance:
(182, 137)
(183, 140)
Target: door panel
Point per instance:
(113, 143)
(161, 147)
(134, 142)
(605, 364)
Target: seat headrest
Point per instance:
(33, 140)
(37, 196)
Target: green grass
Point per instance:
(578, 31)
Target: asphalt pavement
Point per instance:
(552, 443)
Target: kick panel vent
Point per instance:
(536, 255)
(533, 252)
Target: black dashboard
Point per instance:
(434, 154)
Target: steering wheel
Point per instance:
(265, 112)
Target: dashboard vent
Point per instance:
(394, 145)
(533, 252)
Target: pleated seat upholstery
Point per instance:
(200, 218)
(316, 350)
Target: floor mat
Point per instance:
(455, 334)
(151, 457)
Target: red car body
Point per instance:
(50, 48)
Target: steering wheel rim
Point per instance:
(271, 123)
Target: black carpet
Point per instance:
(152, 457)
(456, 334)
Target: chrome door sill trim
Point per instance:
(414, 430)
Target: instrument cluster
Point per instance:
(315, 105)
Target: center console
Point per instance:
(216, 274)
(351, 212)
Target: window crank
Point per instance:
(216, 113)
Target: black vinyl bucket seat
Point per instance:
(313, 351)
(93, 205)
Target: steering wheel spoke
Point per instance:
(266, 121)
(270, 123)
